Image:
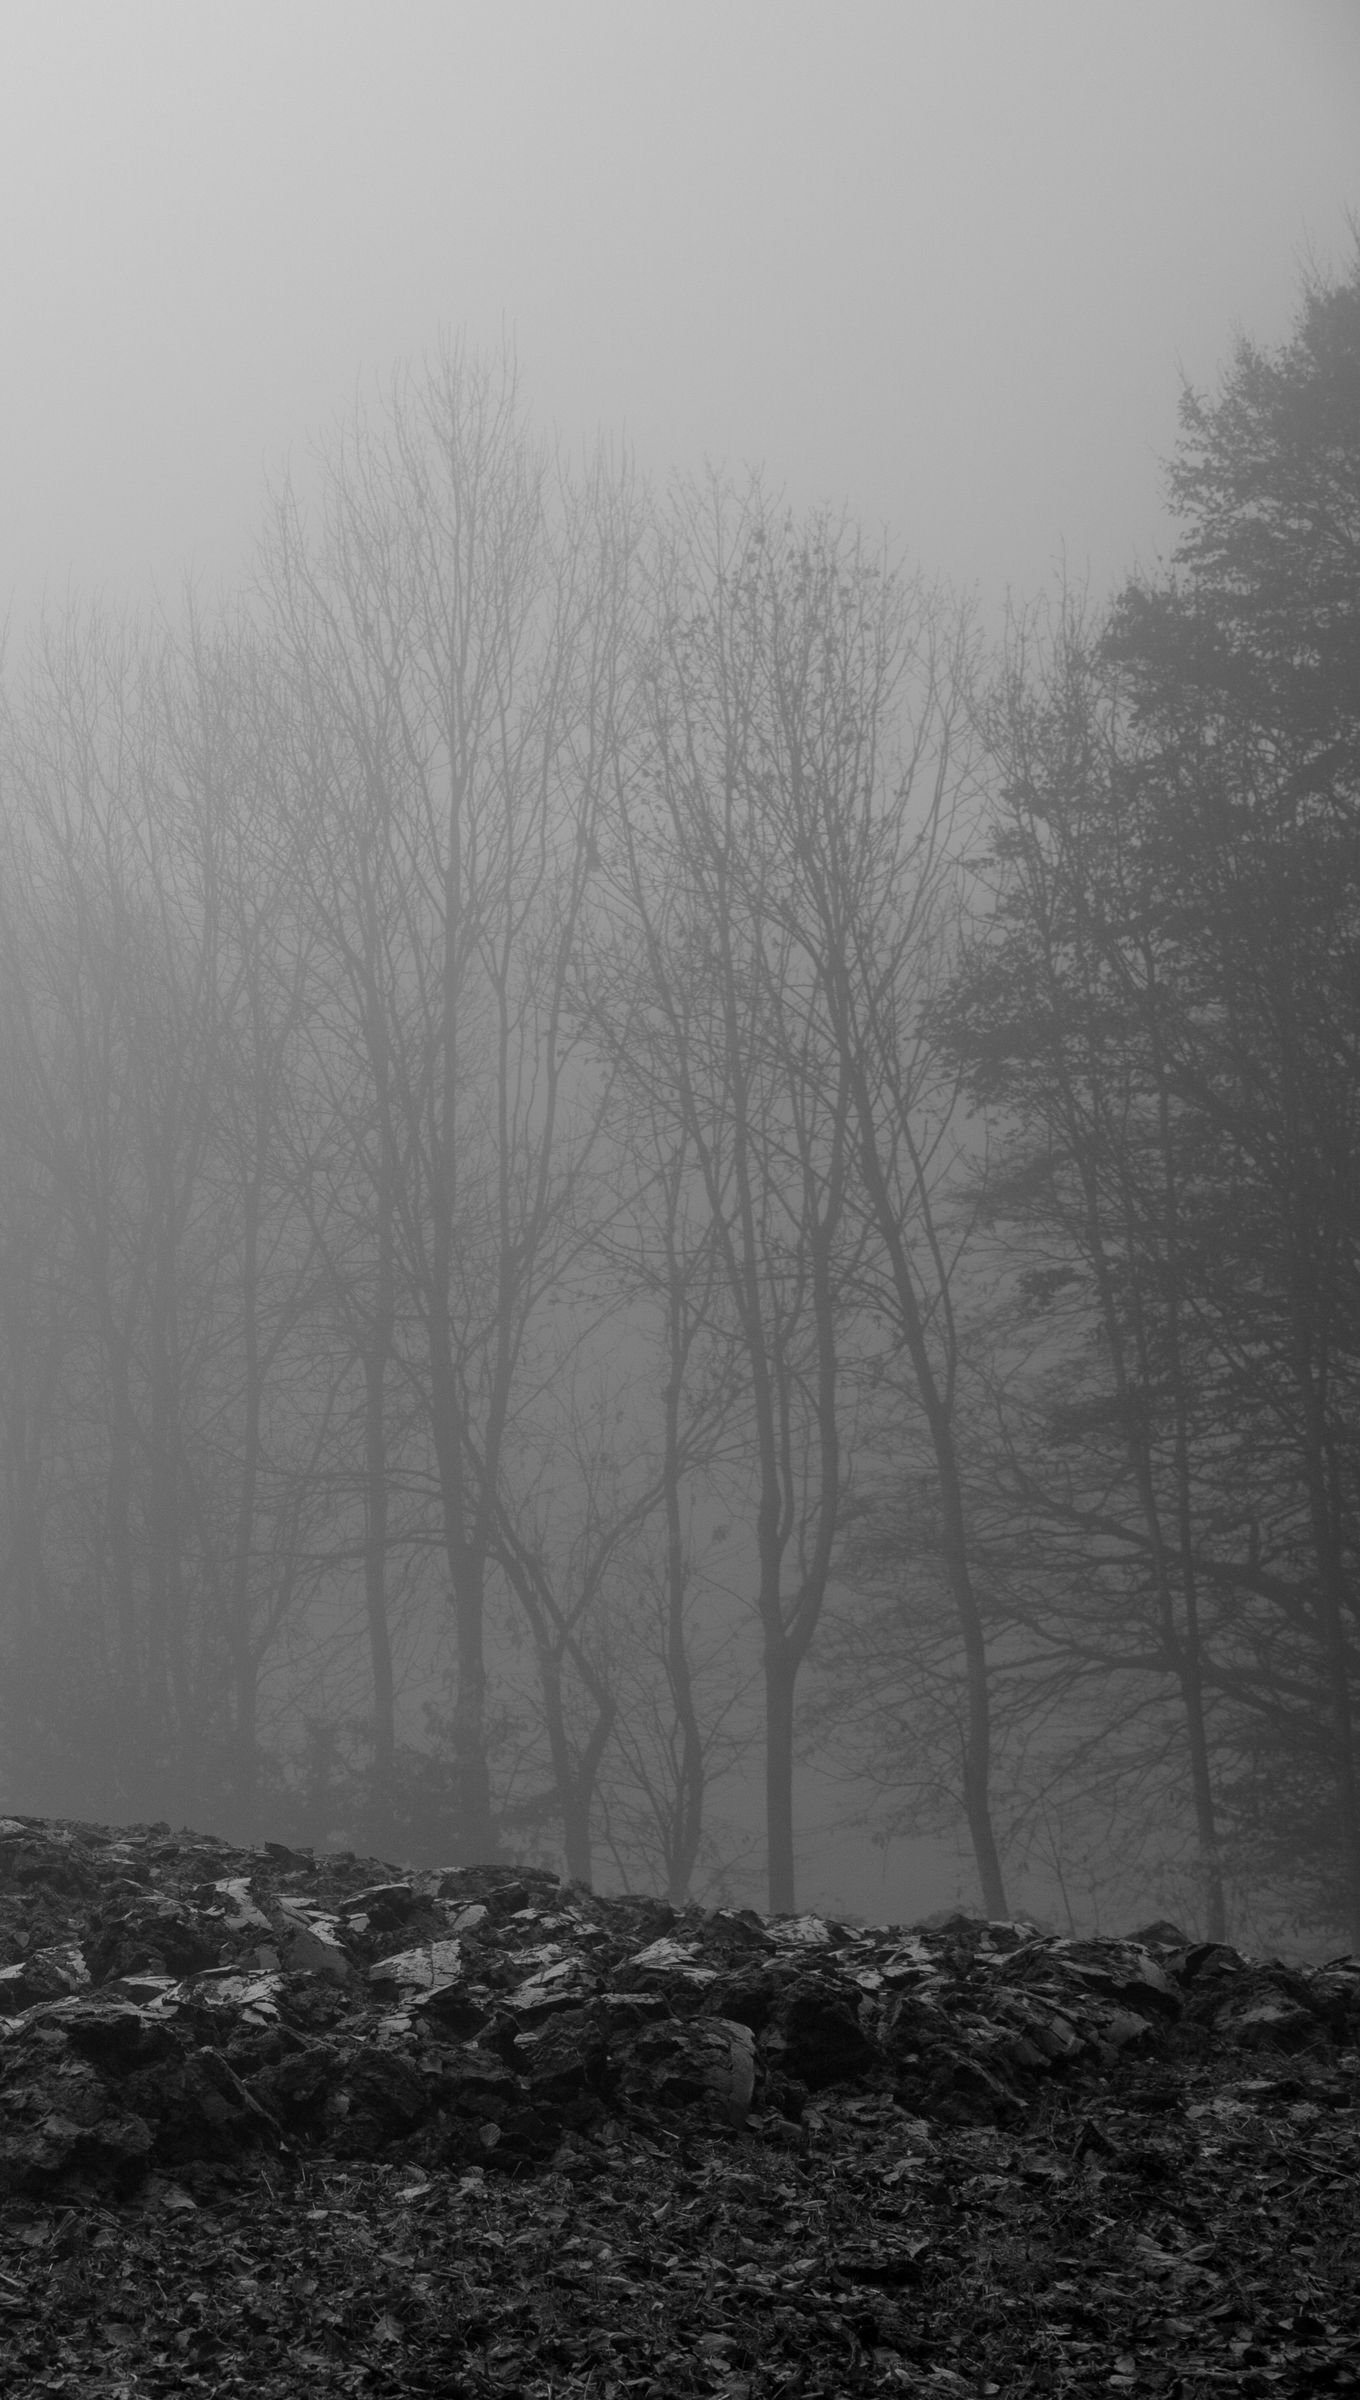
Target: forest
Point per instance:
(626, 1148)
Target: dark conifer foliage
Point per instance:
(1165, 1009)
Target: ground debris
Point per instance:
(471, 2133)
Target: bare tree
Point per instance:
(454, 633)
(141, 1024)
(258, 1475)
(720, 1021)
(867, 769)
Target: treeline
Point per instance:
(602, 1123)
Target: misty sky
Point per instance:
(943, 260)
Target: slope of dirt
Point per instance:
(268, 2120)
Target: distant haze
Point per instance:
(941, 261)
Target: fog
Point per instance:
(943, 263)
(923, 281)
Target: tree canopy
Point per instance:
(616, 1152)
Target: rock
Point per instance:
(805, 1933)
(1269, 2023)
(672, 1959)
(230, 1900)
(314, 1950)
(706, 2062)
(451, 2011)
(60, 2116)
(815, 2035)
(156, 1936)
(565, 2060)
(167, 2002)
(557, 1982)
(1161, 1934)
(430, 1968)
(293, 2084)
(44, 1975)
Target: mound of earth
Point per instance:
(265, 2116)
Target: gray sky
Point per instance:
(941, 259)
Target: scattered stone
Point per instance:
(169, 2003)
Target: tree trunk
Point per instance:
(949, 1483)
(1333, 1600)
(377, 1351)
(686, 1830)
(780, 1681)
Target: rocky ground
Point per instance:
(273, 2123)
